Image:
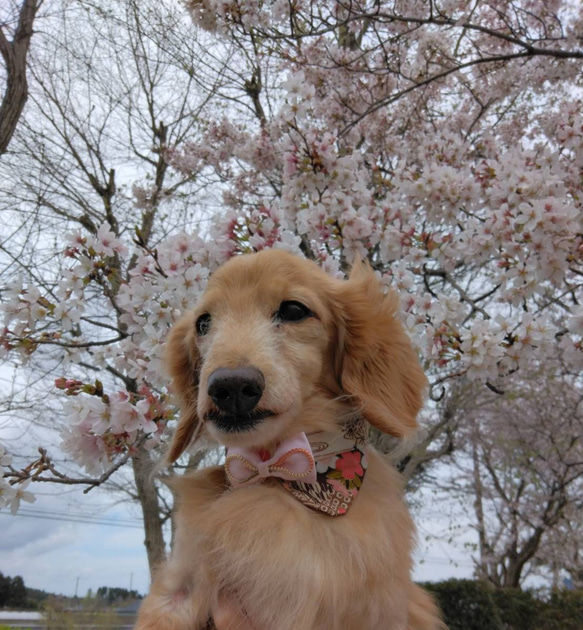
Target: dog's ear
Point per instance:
(375, 361)
(183, 366)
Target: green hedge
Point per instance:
(472, 605)
(564, 611)
(466, 605)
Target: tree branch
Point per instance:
(14, 54)
(44, 464)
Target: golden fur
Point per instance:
(286, 566)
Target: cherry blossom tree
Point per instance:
(441, 141)
(520, 461)
(559, 553)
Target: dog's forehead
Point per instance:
(259, 282)
(267, 269)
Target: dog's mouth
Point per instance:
(228, 423)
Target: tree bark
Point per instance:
(14, 54)
(485, 568)
(148, 496)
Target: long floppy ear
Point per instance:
(376, 363)
(182, 362)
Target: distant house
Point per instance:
(130, 609)
(22, 619)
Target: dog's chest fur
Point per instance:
(295, 566)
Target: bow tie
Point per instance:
(293, 460)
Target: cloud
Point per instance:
(95, 554)
(18, 532)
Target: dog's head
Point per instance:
(275, 342)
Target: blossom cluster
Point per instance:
(472, 213)
(12, 495)
(102, 426)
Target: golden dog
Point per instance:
(275, 348)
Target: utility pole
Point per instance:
(131, 580)
(76, 587)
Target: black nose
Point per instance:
(236, 391)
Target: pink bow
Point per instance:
(293, 460)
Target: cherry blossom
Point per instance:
(21, 494)
(7, 493)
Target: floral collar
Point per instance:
(332, 465)
(341, 465)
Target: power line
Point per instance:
(80, 515)
(75, 520)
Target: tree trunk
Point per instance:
(513, 573)
(14, 54)
(148, 495)
(517, 560)
(484, 568)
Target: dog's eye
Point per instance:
(203, 324)
(292, 311)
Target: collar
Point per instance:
(340, 466)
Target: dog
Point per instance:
(279, 362)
